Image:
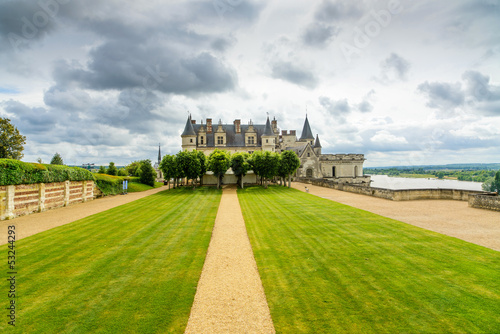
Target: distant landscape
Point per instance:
(463, 172)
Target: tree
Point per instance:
(190, 165)
(265, 164)
(147, 173)
(203, 165)
(240, 166)
(11, 141)
(112, 169)
(102, 170)
(218, 163)
(168, 166)
(289, 162)
(57, 160)
(133, 168)
(440, 175)
(122, 172)
(493, 183)
(39, 160)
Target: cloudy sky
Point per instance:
(404, 82)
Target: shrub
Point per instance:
(109, 184)
(14, 172)
(112, 170)
(147, 173)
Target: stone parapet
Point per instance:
(489, 201)
(397, 195)
(24, 199)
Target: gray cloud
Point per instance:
(331, 11)
(479, 94)
(396, 65)
(293, 73)
(319, 34)
(442, 95)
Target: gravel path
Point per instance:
(230, 297)
(39, 222)
(449, 217)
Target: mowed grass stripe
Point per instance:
(328, 268)
(131, 269)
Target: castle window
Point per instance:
(201, 140)
(267, 141)
(191, 140)
(308, 154)
(251, 140)
(220, 140)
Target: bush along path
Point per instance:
(230, 297)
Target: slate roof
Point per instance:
(306, 131)
(188, 129)
(317, 143)
(268, 131)
(233, 139)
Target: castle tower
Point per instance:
(188, 136)
(268, 138)
(307, 136)
(159, 154)
(317, 146)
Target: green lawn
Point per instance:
(132, 269)
(331, 268)
(137, 187)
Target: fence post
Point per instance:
(84, 191)
(66, 193)
(9, 202)
(41, 197)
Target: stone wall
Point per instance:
(24, 199)
(489, 201)
(397, 195)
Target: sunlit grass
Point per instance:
(331, 268)
(132, 269)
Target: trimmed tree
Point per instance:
(240, 166)
(148, 174)
(102, 170)
(218, 163)
(168, 166)
(190, 165)
(133, 168)
(11, 141)
(203, 165)
(265, 165)
(57, 160)
(289, 163)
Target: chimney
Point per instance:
(209, 125)
(292, 132)
(284, 132)
(193, 121)
(237, 125)
(274, 124)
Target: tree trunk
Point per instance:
(242, 183)
(289, 180)
(218, 182)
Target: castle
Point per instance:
(237, 137)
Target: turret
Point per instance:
(268, 138)
(317, 146)
(188, 136)
(307, 136)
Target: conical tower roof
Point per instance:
(317, 143)
(268, 131)
(188, 129)
(306, 131)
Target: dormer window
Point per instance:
(251, 140)
(220, 140)
(201, 140)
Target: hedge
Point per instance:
(109, 184)
(14, 172)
